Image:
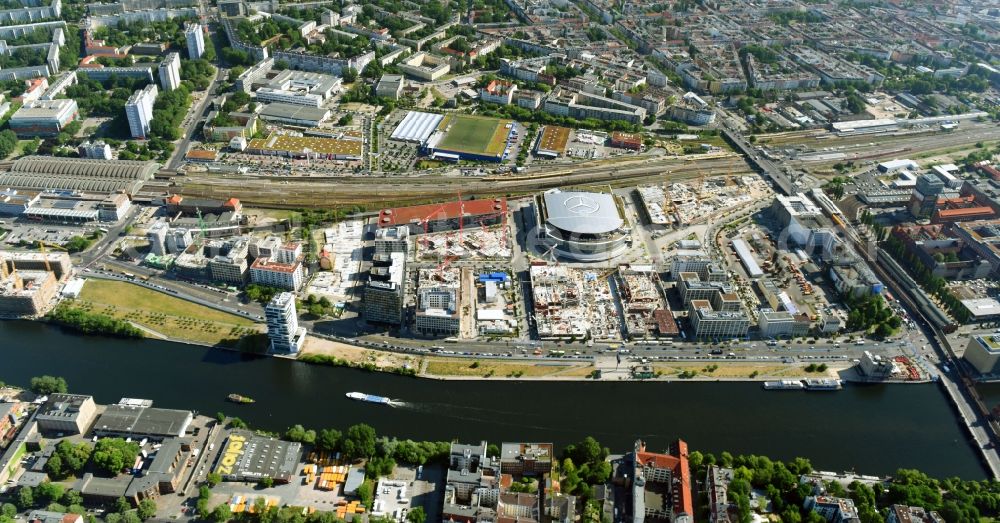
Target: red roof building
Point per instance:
(445, 216)
(960, 209)
(666, 474)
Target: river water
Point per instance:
(871, 429)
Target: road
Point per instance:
(193, 119)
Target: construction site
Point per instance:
(573, 304)
(681, 204)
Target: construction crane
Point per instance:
(444, 265)
(427, 221)
(45, 259)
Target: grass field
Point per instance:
(166, 315)
(500, 369)
(474, 135)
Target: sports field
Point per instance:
(473, 135)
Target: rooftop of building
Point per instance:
(439, 212)
(580, 212)
(143, 420)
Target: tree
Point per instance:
(359, 441)
(417, 515)
(266, 482)
(329, 439)
(111, 455)
(48, 385)
(365, 493)
(221, 513)
(54, 467)
(72, 497)
(147, 509)
(213, 479)
(8, 510)
(48, 492)
(32, 146)
(25, 498)
(71, 459)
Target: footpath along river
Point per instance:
(870, 429)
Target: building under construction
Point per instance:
(448, 216)
(29, 281)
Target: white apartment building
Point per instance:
(139, 111)
(286, 276)
(283, 324)
(195, 37)
(170, 72)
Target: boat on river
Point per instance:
(238, 398)
(369, 398)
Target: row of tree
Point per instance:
(92, 323)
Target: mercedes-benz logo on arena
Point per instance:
(581, 205)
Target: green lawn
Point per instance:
(172, 317)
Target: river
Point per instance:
(871, 429)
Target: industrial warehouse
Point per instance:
(249, 457)
(306, 147)
(73, 174)
(72, 190)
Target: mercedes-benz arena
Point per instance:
(583, 226)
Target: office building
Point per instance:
(983, 353)
(706, 269)
(157, 236)
(283, 324)
(179, 239)
(875, 366)
(438, 311)
(924, 199)
(13, 202)
(383, 297)
(194, 35)
(139, 110)
(95, 150)
(392, 239)
(298, 88)
(777, 324)
(266, 247)
(170, 72)
(230, 265)
(43, 117)
(66, 413)
(390, 86)
(707, 323)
